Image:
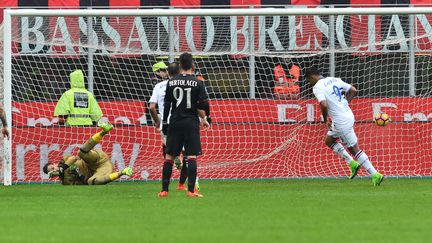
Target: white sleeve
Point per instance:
(345, 86)
(154, 97)
(319, 94)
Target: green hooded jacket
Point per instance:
(78, 104)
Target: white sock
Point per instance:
(363, 159)
(340, 150)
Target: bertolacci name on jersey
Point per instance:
(181, 82)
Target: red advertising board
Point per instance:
(246, 140)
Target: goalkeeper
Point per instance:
(93, 167)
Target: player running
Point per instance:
(333, 95)
(92, 167)
(187, 100)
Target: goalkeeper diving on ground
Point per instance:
(92, 167)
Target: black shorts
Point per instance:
(184, 133)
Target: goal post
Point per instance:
(267, 123)
(7, 98)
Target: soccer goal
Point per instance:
(266, 123)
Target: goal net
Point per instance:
(266, 122)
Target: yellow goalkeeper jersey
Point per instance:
(81, 170)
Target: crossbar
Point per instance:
(221, 12)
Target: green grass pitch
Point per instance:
(333, 210)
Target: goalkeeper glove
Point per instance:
(72, 167)
(178, 163)
(62, 168)
(209, 120)
(53, 173)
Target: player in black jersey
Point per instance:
(187, 100)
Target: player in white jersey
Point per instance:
(158, 97)
(333, 95)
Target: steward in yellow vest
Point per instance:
(77, 105)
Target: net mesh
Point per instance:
(271, 130)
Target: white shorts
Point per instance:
(164, 137)
(345, 133)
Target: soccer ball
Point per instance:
(382, 119)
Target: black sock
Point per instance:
(184, 172)
(192, 174)
(163, 150)
(166, 174)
